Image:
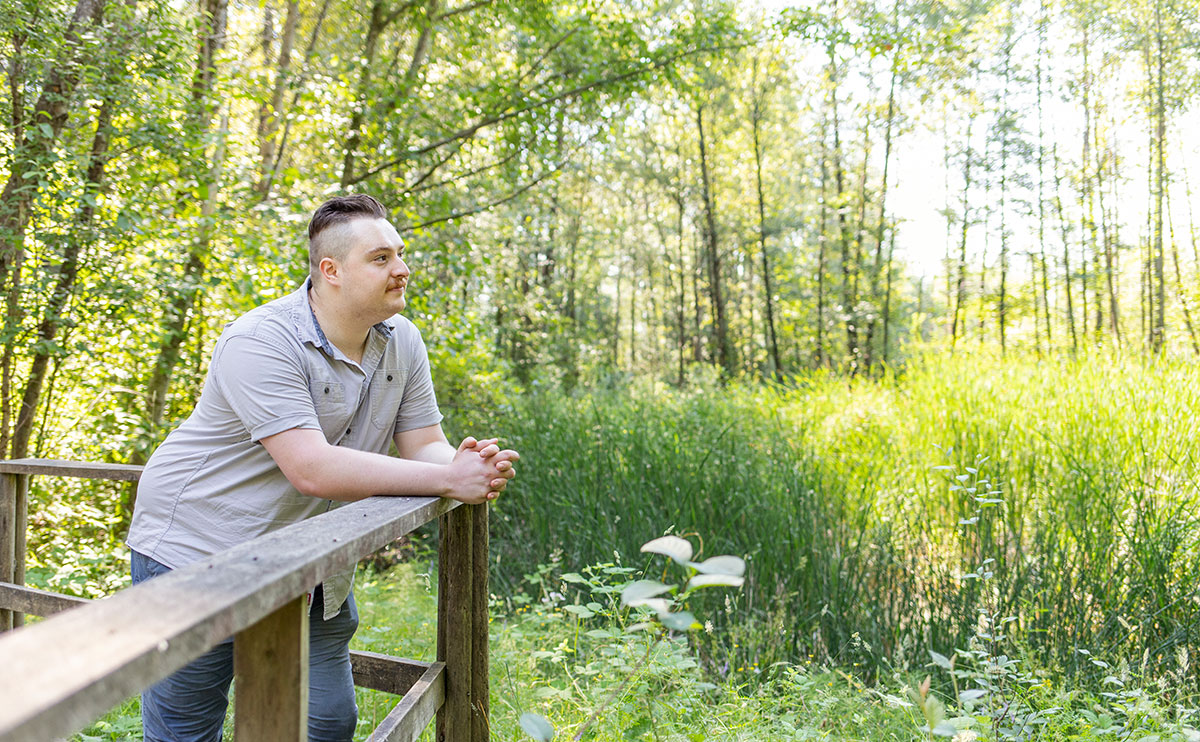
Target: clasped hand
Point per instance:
(481, 470)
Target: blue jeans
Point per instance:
(190, 705)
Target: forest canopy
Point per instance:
(589, 190)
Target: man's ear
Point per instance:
(329, 270)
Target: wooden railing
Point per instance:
(62, 673)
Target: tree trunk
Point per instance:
(768, 300)
(33, 152)
(1089, 242)
(822, 241)
(1158, 330)
(1180, 289)
(1109, 239)
(860, 359)
(960, 288)
(1066, 254)
(271, 111)
(182, 298)
(1002, 299)
(1041, 176)
(724, 350)
(883, 192)
(53, 315)
(375, 26)
(280, 147)
(887, 296)
(679, 204)
(849, 268)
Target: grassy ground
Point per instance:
(551, 658)
(1027, 529)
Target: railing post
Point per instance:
(479, 623)
(462, 623)
(8, 539)
(270, 666)
(20, 526)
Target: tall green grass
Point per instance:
(849, 500)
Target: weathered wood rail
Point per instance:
(62, 673)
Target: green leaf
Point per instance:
(945, 729)
(537, 726)
(574, 577)
(681, 621)
(46, 129)
(678, 549)
(726, 564)
(637, 592)
(658, 605)
(974, 694)
(941, 660)
(578, 610)
(710, 580)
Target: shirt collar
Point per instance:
(308, 329)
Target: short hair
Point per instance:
(335, 212)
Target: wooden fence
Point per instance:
(62, 673)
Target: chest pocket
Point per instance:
(329, 399)
(387, 392)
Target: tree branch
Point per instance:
(464, 9)
(483, 168)
(494, 119)
(484, 207)
(413, 187)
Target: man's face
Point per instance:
(373, 274)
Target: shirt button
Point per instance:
(389, 377)
(327, 390)
(349, 431)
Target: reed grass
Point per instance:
(844, 498)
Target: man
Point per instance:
(303, 397)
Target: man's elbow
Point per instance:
(308, 483)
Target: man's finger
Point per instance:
(489, 451)
(492, 495)
(467, 443)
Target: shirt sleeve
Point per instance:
(419, 408)
(265, 384)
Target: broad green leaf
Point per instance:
(974, 694)
(677, 548)
(639, 590)
(658, 605)
(579, 610)
(681, 621)
(574, 577)
(725, 564)
(537, 726)
(945, 729)
(941, 660)
(710, 580)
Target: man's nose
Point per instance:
(400, 268)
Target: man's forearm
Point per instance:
(347, 474)
(437, 452)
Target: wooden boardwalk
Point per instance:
(68, 670)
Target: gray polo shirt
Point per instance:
(212, 485)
